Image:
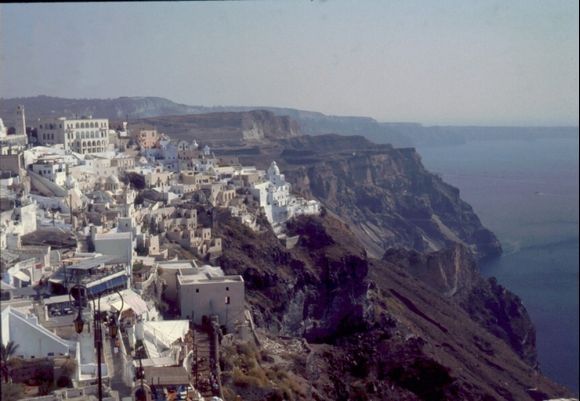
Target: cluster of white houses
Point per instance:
(107, 209)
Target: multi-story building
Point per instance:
(146, 138)
(85, 135)
(52, 168)
(279, 205)
(18, 138)
(203, 293)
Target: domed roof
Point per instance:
(274, 169)
(101, 180)
(112, 179)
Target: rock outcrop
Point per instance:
(225, 129)
(305, 288)
(453, 273)
(374, 331)
(385, 194)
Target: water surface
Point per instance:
(527, 193)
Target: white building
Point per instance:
(34, 341)
(23, 274)
(52, 168)
(85, 135)
(205, 293)
(21, 220)
(19, 138)
(115, 243)
(168, 271)
(3, 131)
(278, 204)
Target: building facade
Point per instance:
(85, 135)
(51, 168)
(204, 294)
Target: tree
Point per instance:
(6, 353)
(67, 371)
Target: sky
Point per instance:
(434, 62)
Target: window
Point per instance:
(227, 288)
(227, 300)
(197, 290)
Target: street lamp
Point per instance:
(79, 323)
(140, 374)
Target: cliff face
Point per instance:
(375, 331)
(225, 129)
(386, 195)
(300, 293)
(453, 273)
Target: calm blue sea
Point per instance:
(527, 193)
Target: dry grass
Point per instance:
(249, 370)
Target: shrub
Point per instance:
(244, 381)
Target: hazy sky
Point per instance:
(435, 62)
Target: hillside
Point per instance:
(385, 194)
(310, 122)
(225, 128)
(372, 331)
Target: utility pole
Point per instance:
(99, 344)
(196, 364)
(70, 209)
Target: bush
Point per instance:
(64, 381)
(244, 381)
(265, 357)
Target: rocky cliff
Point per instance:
(453, 273)
(385, 194)
(225, 129)
(310, 122)
(342, 326)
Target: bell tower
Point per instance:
(20, 121)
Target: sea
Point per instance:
(527, 193)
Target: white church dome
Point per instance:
(274, 169)
(112, 179)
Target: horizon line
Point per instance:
(254, 107)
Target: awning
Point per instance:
(20, 275)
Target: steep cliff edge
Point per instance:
(373, 331)
(385, 194)
(300, 292)
(225, 129)
(453, 273)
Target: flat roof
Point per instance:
(205, 278)
(94, 262)
(113, 235)
(168, 331)
(58, 299)
(130, 301)
(170, 375)
(177, 264)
